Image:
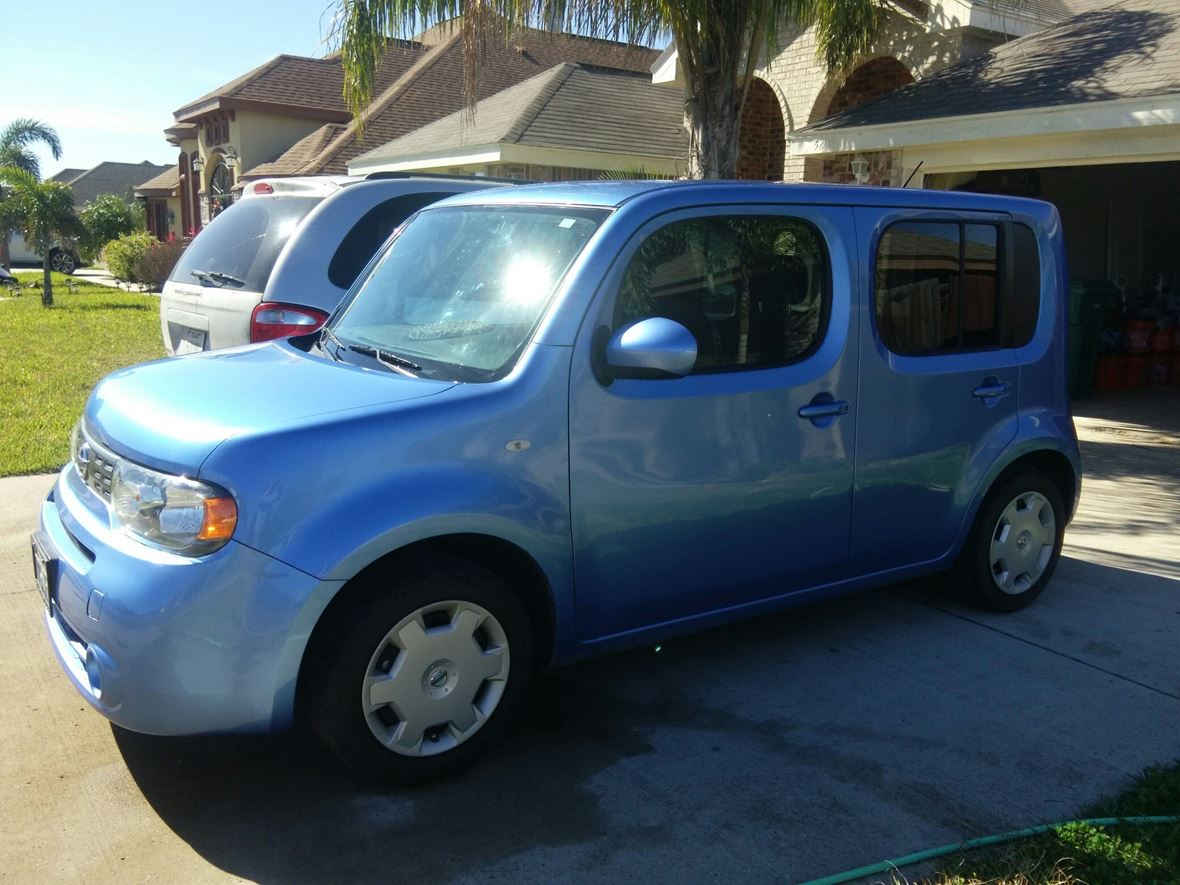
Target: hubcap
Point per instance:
(435, 678)
(1022, 543)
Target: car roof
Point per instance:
(614, 194)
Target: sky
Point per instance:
(108, 75)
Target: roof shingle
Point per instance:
(1128, 49)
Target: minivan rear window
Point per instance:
(374, 227)
(244, 241)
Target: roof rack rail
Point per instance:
(459, 176)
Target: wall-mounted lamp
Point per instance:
(198, 165)
(231, 158)
(860, 169)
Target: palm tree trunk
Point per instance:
(47, 292)
(712, 118)
(5, 255)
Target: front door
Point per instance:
(713, 490)
(938, 387)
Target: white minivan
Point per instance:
(278, 261)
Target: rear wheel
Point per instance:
(421, 674)
(62, 261)
(1015, 543)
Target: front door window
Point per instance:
(221, 184)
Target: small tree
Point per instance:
(107, 217)
(16, 153)
(43, 211)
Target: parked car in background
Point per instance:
(279, 260)
(63, 258)
(558, 420)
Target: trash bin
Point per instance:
(1089, 303)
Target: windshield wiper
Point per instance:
(390, 360)
(217, 277)
(325, 332)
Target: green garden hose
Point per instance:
(931, 853)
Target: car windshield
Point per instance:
(461, 289)
(240, 246)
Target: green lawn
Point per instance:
(1077, 854)
(50, 358)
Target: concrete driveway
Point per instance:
(779, 750)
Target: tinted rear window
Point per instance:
(245, 240)
(373, 229)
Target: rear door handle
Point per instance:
(992, 389)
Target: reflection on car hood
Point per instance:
(172, 413)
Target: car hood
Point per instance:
(172, 413)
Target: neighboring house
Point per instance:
(1085, 114)
(120, 179)
(287, 117)
(570, 122)
(65, 176)
(162, 208)
(793, 89)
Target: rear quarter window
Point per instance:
(245, 240)
(1024, 304)
(371, 231)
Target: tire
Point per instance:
(62, 261)
(440, 633)
(1007, 570)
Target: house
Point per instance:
(792, 89)
(570, 122)
(287, 117)
(1085, 114)
(162, 206)
(106, 178)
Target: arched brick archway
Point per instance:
(868, 81)
(762, 139)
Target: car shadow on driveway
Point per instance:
(785, 747)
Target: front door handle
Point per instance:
(833, 409)
(992, 389)
(823, 409)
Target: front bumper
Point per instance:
(168, 644)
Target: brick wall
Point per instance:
(805, 88)
(871, 80)
(762, 140)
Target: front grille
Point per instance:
(96, 465)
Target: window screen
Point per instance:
(370, 233)
(938, 287)
(753, 290)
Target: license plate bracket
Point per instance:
(191, 341)
(44, 571)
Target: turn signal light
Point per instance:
(221, 517)
(272, 320)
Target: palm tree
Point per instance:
(17, 140)
(719, 43)
(43, 212)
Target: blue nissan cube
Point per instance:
(553, 421)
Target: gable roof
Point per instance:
(303, 86)
(66, 175)
(1124, 50)
(112, 178)
(433, 87)
(166, 184)
(568, 107)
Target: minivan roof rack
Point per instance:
(459, 176)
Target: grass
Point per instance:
(51, 358)
(1077, 853)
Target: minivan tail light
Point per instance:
(263, 188)
(273, 320)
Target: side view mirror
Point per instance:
(653, 348)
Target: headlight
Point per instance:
(172, 511)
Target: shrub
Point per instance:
(155, 265)
(122, 255)
(106, 218)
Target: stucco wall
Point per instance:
(260, 138)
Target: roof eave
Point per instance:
(194, 113)
(1079, 117)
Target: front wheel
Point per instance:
(63, 262)
(1015, 543)
(419, 675)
